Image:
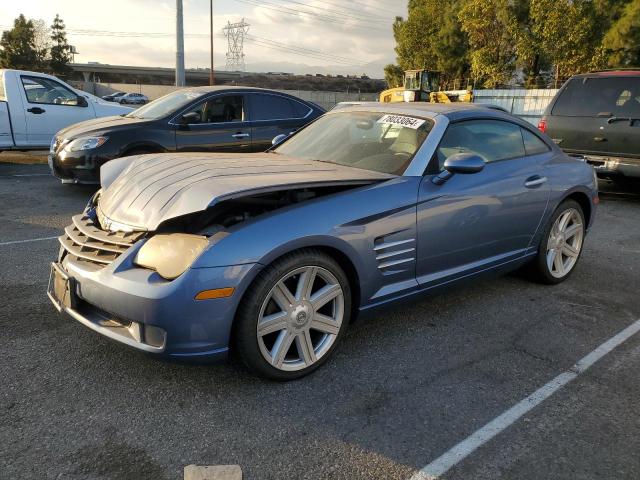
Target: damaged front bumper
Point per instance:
(138, 308)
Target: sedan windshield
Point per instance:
(165, 105)
(369, 140)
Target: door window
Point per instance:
(493, 140)
(220, 109)
(274, 107)
(47, 91)
(300, 110)
(532, 144)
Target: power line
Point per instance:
(304, 49)
(302, 52)
(296, 12)
(365, 5)
(347, 14)
(256, 40)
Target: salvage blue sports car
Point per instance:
(272, 255)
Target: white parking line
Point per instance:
(14, 242)
(441, 465)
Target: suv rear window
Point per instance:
(588, 97)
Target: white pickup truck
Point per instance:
(34, 106)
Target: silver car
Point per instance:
(133, 99)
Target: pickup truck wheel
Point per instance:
(293, 316)
(561, 244)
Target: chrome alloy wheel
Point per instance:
(565, 243)
(300, 318)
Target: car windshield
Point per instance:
(375, 141)
(165, 105)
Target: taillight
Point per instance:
(542, 126)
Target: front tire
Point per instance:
(561, 244)
(293, 316)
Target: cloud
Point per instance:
(360, 31)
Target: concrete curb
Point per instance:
(218, 472)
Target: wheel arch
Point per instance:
(147, 147)
(335, 248)
(583, 199)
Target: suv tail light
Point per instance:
(542, 126)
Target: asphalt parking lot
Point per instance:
(405, 387)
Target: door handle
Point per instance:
(535, 181)
(240, 135)
(599, 139)
(36, 110)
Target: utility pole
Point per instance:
(179, 45)
(212, 77)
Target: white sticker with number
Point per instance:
(402, 121)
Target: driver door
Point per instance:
(49, 107)
(221, 126)
(478, 221)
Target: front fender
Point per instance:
(349, 222)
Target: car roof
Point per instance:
(225, 88)
(620, 72)
(454, 111)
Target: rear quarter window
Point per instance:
(532, 144)
(589, 97)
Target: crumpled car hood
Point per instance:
(154, 188)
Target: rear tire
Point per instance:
(561, 245)
(293, 316)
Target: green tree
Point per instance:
(60, 52)
(530, 57)
(17, 46)
(570, 34)
(394, 75)
(431, 38)
(622, 41)
(490, 26)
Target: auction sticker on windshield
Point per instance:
(402, 121)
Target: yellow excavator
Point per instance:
(424, 86)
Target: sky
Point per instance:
(334, 36)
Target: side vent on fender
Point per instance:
(394, 256)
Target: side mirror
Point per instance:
(279, 139)
(461, 163)
(190, 117)
(464, 163)
(82, 101)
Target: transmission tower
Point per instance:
(235, 33)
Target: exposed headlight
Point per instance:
(170, 255)
(85, 143)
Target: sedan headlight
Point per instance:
(172, 254)
(85, 143)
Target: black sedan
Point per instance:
(200, 119)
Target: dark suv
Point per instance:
(597, 116)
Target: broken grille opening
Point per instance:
(83, 241)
